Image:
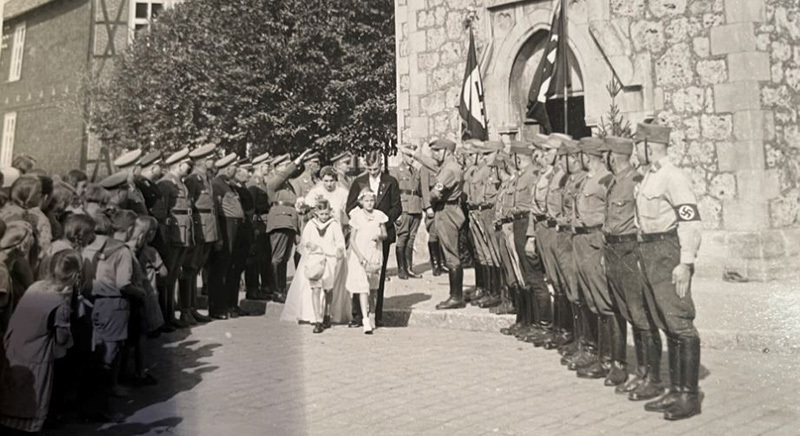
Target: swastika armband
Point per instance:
(687, 212)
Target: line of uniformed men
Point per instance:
(583, 243)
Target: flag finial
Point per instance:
(472, 17)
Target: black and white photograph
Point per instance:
(399, 217)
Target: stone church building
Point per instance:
(724, 74)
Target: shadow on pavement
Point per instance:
(398, 308)
(178, 366)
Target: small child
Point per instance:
(153, 266)
(368, 229)
(39, 333)
(324, 244)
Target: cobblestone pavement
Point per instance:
(260, 376)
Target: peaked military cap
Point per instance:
(341, 156)
(177, 157)
(115, 180)
(225, 161)
(521, 147)
(442, 144)
(492, 146)
(128, 159)
(568, 147)
(619, 145)
(202, 151)
(652, 133)
(542, 141)
(261, 158)
(592, 146)
(280, 159)
(151, 158)
(313, 156)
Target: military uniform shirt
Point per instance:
(590, 204)
(620, 204)
(303, 184)
(665, 201)
(525, 185)
(506, 194)
(226, 198)
(570, 196)
(427, 182)
(282, 213)
(449, 182)
(201, 194)
(555, 194)
(408, 180)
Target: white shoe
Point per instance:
(367, 326)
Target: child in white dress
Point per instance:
(324, 246)
(368, 229)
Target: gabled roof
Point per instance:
(15, 8)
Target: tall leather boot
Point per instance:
(579, 342)
(456, 300)
(436, 258)
(444, 268)
(507, 295)
(480, 283)
(493, 299)
(602, 365)
(651, 386)
(400, 254)
(519, 322)
(641, 366)
(667, 400)
(687, 403)
(410, 262)
(279, 295)
(589, 341)
(618, 372)
(568, 331)
(539, 318)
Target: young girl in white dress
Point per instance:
(368, 229)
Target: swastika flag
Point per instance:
(553, 71)
(471, 106)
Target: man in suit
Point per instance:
(387, 200)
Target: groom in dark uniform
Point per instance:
(387, 200)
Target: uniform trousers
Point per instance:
(449, 219)
(546, 243)
(565, 265)
(196, 258)
(627, 285)
(407, 230)
(672, 314)
(258, 271)
(532, 269)
(174, 257)
(509, 260)
(588, 251)
(281, 242)
(433, 237)
(219, 263)
(242, 238)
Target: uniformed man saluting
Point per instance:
(669, 238)
(449, 217)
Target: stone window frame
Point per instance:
(136, 24)
(7, 143)
(17, 52)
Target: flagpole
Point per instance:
(566, 65)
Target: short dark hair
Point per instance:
(79, 229)
(123, 220)
(24, 191)
(76, 176)
(65, 264)
(373, 157)
(23, 163)
(328, 171)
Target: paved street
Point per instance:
(260, 376)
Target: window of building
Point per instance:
(142, 12)
(7, 145)
(17, 51)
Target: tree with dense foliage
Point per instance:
(276, 75)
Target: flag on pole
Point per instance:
(552, 75)
(471, 107)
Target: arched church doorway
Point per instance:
(522, 72)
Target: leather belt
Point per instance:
(539, 218)
(653, 237)
(564, 229)
(506, 220)
(205, 210)
(551, 223)
(452, 202)
(282, 203)
(182, 211)
(521, 215)
(409, 192)
(619, 239)
(101, 297)
(479, 207)
(587, 230)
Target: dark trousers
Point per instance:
(194, 260)
(407, 232)
(257, 274)
(533, 270)
(671, 313)
(589, 251)
(219, 264)
(173, 260)
(281, 242)
(241, 247)
(627, 284)
(356, 304)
